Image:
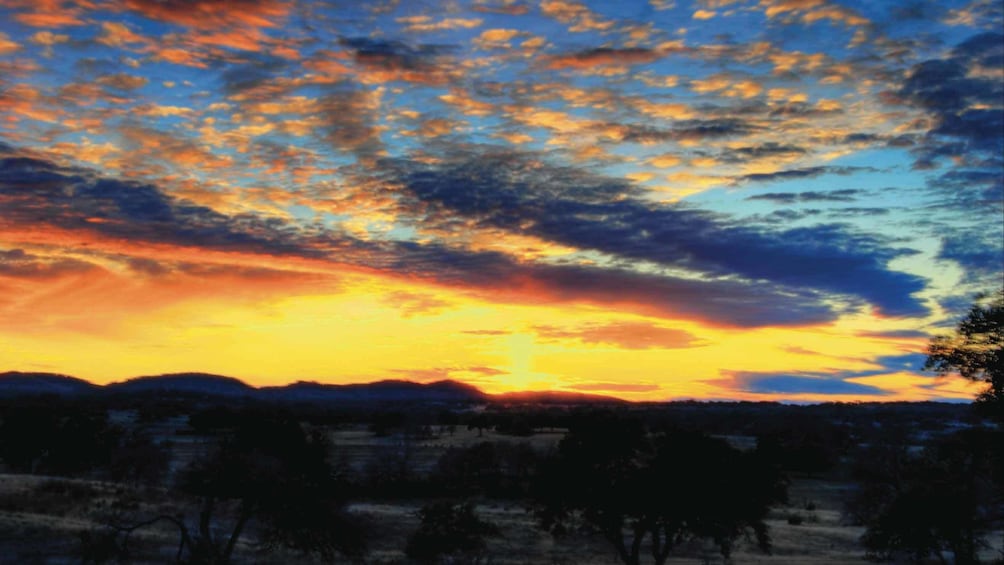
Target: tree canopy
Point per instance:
(650, 493)
(976, 350)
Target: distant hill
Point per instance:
(380, 391)
(17, 383)
(208, 385)
(184, 383)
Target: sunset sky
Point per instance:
(768, 200)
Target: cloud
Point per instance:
(213, 14)
(575, 14)
(350, 115)
(40, 193)
(603, 56)
(37, 195)
(415, 304)
(764, 383)
(17, 263)
(963, 100)
(769, 151)
(444, 373)
(790, 174)
(575, 208)
(122, 81)
(627, 335)
(7, 45)
(687, 130)
(420, 24)
(980, 253)
(395, 60)
(842, 195)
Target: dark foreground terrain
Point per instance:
(157, 472)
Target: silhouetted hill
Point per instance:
(184, 383)
(208, 385)
(554, 397)
(380, 391)
(18, 383)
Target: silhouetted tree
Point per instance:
(139, 459)
(276, 473)
(57, 440)
(270, 474)
(976, 351)
(497, 469)
(448, 532)
(611, 476)
(939, 502)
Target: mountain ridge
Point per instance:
(15, 383)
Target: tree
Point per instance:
(940, 502)
(976, 350)
(448, 532)
(269, 474)
(656, 492)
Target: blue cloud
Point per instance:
(574, 207)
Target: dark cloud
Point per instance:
(842, 195)
(260, 71)
(17, 263)
(761, 383)
(350, 116)
(808, 172)
(418, 64)
(718, 302)
(857, 211)
(712, 129)
(786, 216)
(148, 267)
(603, 56)
(828, 383)
(980, 254)
(800, 110)
(756, 152)
(688, 130)
(575, 208)
(897, 334)
(964, 98)
(34, 191)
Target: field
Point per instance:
(44, 518)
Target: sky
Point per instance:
(768, 200)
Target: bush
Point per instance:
(448, 532)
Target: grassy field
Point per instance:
(43, 518)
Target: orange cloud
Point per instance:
(626, 335)
(213, 14)
(417, 24)
(8, 46)
(47, 13)
(580, 17)
(122, 81)
(115, 34)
